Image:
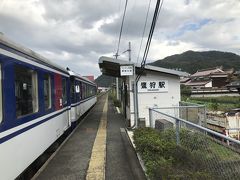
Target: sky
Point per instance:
(75, 33)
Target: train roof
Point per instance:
(71, 73)
(23, 51)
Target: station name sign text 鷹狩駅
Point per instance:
(153, 86)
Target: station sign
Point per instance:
(153, 86)
(126, 70)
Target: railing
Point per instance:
(214, 152)
(189, 111)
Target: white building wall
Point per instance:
(209, 84)
(156, 99)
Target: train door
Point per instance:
(58, 91)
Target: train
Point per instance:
(39, 102)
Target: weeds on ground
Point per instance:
(197, 156)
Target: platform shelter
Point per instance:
(156, 87)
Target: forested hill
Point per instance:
(104, 81)
(191, 61)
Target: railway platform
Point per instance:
(95, 150)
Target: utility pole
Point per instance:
(129, 58)
(117, 90)
(134, 86)
(129, 51)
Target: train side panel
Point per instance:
(83, 96)
(38, 103)
(34, 114)
(19, 152)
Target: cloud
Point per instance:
(75, 33)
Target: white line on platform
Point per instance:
(118, 110)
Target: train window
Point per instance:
(80, 91)
(47, 91)
(25, 91)
(83, 91)
(0, 94)
(64, 91)
(87, 91)
(72, 91)
(77, 90)
(91, 91)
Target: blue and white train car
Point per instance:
(83, 96)
(34, 106)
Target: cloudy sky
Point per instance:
(75, 33)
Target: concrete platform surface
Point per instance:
(95, 150)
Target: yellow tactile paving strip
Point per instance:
(96, 169)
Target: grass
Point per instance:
(197, 156)
(117, 103)
(223, 103)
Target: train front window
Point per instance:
(47, 92)
(25, 91)
(0, 94)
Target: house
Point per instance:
(210, 78)
(91, 77)
(103, 89)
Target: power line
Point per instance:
(120, 34)
(155, 17)
(156, 12)
(144, 28)
(160, 9)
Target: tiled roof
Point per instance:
(184, 80)
(207, 72)
(197, 83)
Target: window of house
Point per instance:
(25, 91)
(47, 91)
(1, 94)
(64, 91)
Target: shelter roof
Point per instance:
(110, 66)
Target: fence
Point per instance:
(189, 111)
(211, 152)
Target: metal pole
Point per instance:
(150, 118)
(135, 96)
(129, 51)
(177, 132)
(117, 88)
(116, 55)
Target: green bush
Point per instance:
(185, 90)
(117, 103)
(164, 159)
(223, 103)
